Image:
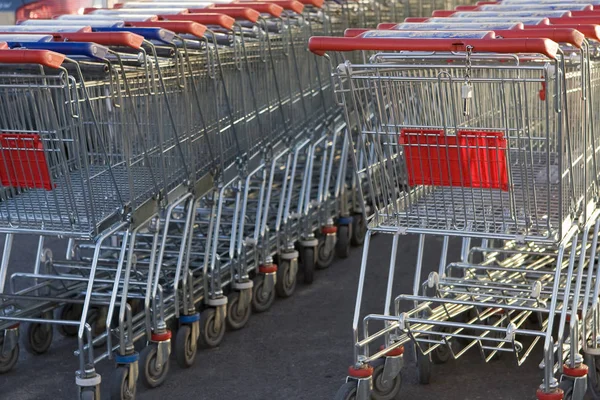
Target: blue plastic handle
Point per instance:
(151, 34)
(69, 49)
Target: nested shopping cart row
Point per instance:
(478, 131)
(191, 155)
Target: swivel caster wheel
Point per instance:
(37, 338)
(262, 300)
(308, 264)
(347, 391)
(325, 254)
(286, 278)
(9, 360)
(69, 312)
(423, 367)
(593, 363)
(120, 388)
(88, 394)
(186, 347)
(342, 247)
(567, 387)
(211, 330)
(238, 314)
(441, 354)
(359, 230)
(153, 374)
(384, 390)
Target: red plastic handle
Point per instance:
(574, 20)
(590, 31)
(125, 39)
(354, 32)
(313, 3)
(466, 8)
(222, 20)
(586, 13)
(442, 13)
(547, 47)
(290, 5)
(263, 8)
(179, 27)
(46, 58)
(559, 35)
(241, 13)
(416, 19)
(386, 26)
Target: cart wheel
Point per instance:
(441, 354)
(8, 361)
(185, 347)
(423, 367)
(38, 337)
(346, 392)
(324, 255)
(593, 363)
(286, 281)
(384, 390)
(308, 263)
(236, 318)
(567, 386)
(342, 246)
(359, 230)
(119, 388)
(261, 302)
(210, 335)
(69, 312)
(87, 394)
(152, 376)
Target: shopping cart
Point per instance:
(423, 149)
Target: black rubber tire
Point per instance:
(441, 354)
(236, 319)
(342, 246)
(260, 301)
(381, 391)
(423, 367)
(210, 336)
(69, 312)
(593, 363)
(37, 338)
(346, 392)
(185, 348)
(286, 281)
(324, 258)
(151, 377)
(8, 361)
(119, 387)
(87, 394)
(308, 264)
(567, 386)
(359, 230)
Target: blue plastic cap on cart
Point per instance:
(11, 38)
(65, 22)
(345, 220)
(151, 34)
(189, 319)
(69, 49)
(127, 359)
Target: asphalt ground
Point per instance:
(299, 349)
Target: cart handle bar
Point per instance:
(240, 13)
(559, 35)
(264, 8)
(125, 39)
(322, 44)
(211, 18)
(312, 3)
(289, 5)
(179, 27)
(590, 31)
(45, 58)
